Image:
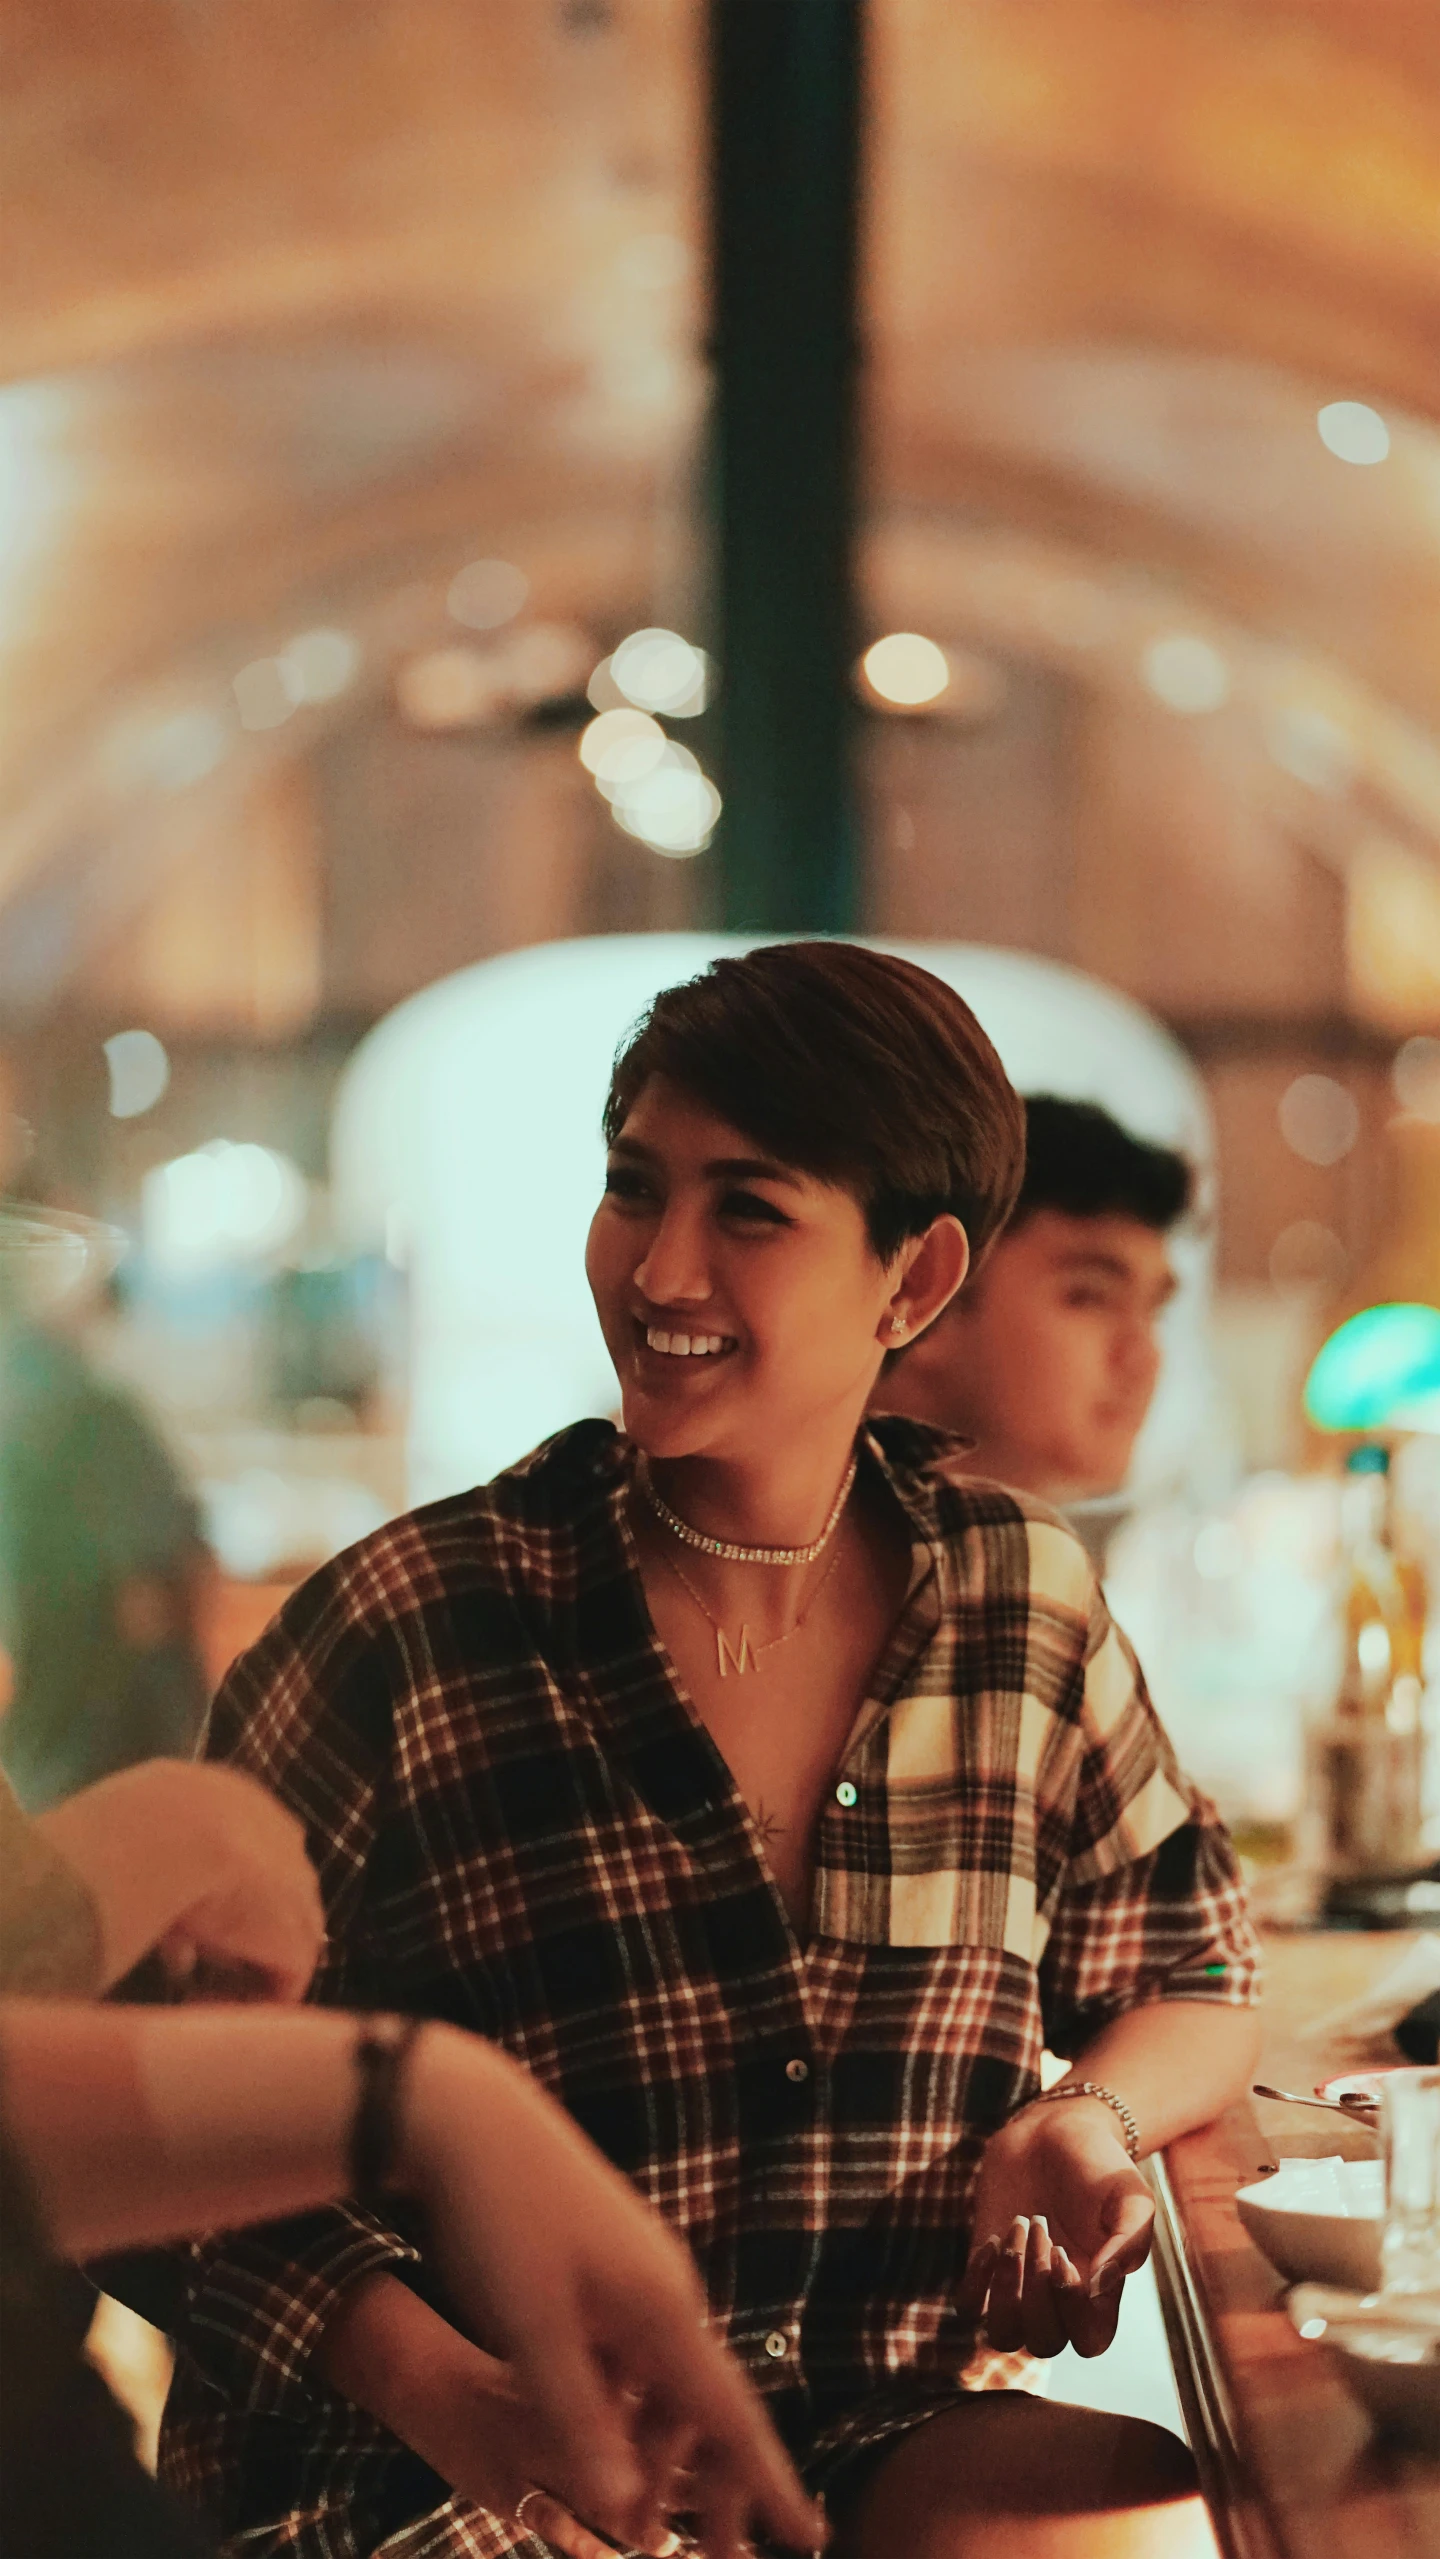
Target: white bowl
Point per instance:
(1319, 2220)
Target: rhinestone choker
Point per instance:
(689, 1536)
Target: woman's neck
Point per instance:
(782, 1497)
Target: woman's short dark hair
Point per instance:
(850, 1065)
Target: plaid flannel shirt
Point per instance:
(523, 1828)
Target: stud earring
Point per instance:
(899, 1324)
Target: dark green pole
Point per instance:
(785, 124)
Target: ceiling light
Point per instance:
(1186, 673)
(906, 669)
(1353, 432)
(659, 671)
(487, 593)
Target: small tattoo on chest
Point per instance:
(768, 1824)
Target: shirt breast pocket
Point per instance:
(940, 1849)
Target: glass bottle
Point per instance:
(1367, 1755)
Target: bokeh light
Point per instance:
(166, 751)
(1307, 1255)
(320, 665)
(1353, 432)
(224, 1204)
(1186, 673)
(659, 671)
(1415, 1075)
(487, 593)
(1318, 1119)
(1378, 1371)
(907, 669)
(1308, 744)
(139, 1073)
(672, 807)
(620, 747)
(456, 688)
(263, 695)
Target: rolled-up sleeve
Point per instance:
(258, 2301)
(1151, 1904)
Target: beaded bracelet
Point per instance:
(381, 2049)
(1107, 2097)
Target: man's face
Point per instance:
(1049, 1360)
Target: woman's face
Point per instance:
(741, 1301)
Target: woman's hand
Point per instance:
(200, 1863)
(1062, 2216)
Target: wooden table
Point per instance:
(1290, 2464)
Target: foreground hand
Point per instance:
(508, 2441)
(1062, 2216)
(199, 1862)
(617, 2400)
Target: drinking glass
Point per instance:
(1410, 2124)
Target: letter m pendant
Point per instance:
(726, 1661)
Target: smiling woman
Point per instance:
(773, 1796)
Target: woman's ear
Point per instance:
(932, 1268)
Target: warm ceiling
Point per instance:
(306, 302)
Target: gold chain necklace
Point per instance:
(748, 1656)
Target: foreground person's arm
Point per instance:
(136, 2127)
(199, 1863)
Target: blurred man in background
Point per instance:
(1047, 1359)
(102, 1568)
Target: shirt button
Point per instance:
(797, 2070)
(777, 2345)
(845, 1793)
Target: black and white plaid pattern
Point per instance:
(521, 1827)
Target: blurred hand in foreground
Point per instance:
(196, 1863)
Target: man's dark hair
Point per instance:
(1082, 1162)
(850, 1065)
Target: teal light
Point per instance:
(1379, 1371)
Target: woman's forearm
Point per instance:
(1177, 2063)
(389, 2352)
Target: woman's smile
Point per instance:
(678, 1344)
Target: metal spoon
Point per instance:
(1353, 2105)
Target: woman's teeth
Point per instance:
(688, 1345)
